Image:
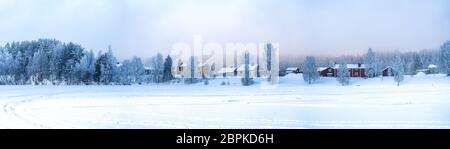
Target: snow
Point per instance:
(419, 102)
(420, 74)
(351, 66)
(226, 70)
(292, 69)
(250, 67)
(322, 68)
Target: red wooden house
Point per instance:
(326, 72)
(355, 70)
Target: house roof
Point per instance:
(148, 68)
(226, 70)
(250, 67)
(351, 66)
(292, 68)
(432, 66)
(322, 68)
(387, 67)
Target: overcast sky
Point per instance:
(144, 27)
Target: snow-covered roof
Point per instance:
(387, 67)
(351, 66)
(421, 70)
(292, 68)
(322, 68)
(226, 70)
(148, 68)
(250, 67)
(432, 66)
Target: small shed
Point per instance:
(326, 72)
(388, 71)
(226, 72)
(432, 69)
(293, 70)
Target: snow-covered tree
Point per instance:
(125, 73)
(158, 65)
(444, 58)
(398, 67)
(71, 56)
(105, 68)
(86, 67)
(20, 74)
(57, 63)
(167, 75)
(39, 69)
(137, 70)
(310, 72)
(112, 62)
(6, 66)
(343, 76)
(371, 63)
(413, 63)
(99, 68)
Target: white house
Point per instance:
(228, 72)
(432, 69)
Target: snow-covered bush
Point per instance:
(398, 68)
(342, 74)
(310, 72)
(444, 58)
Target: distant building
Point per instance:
(432, 69)
(355, 70)
(282, 73)
(292, 70)
(179, 70)
(226, 72)
(326, 72)
(149, 70)
(424, 71)
(388, 71)
(252, 70)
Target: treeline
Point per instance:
(374, 63)
(52, 62)
(411, 61)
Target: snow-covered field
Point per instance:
(420, 102)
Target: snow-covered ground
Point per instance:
(420, 102)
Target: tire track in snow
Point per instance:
(10, 108)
